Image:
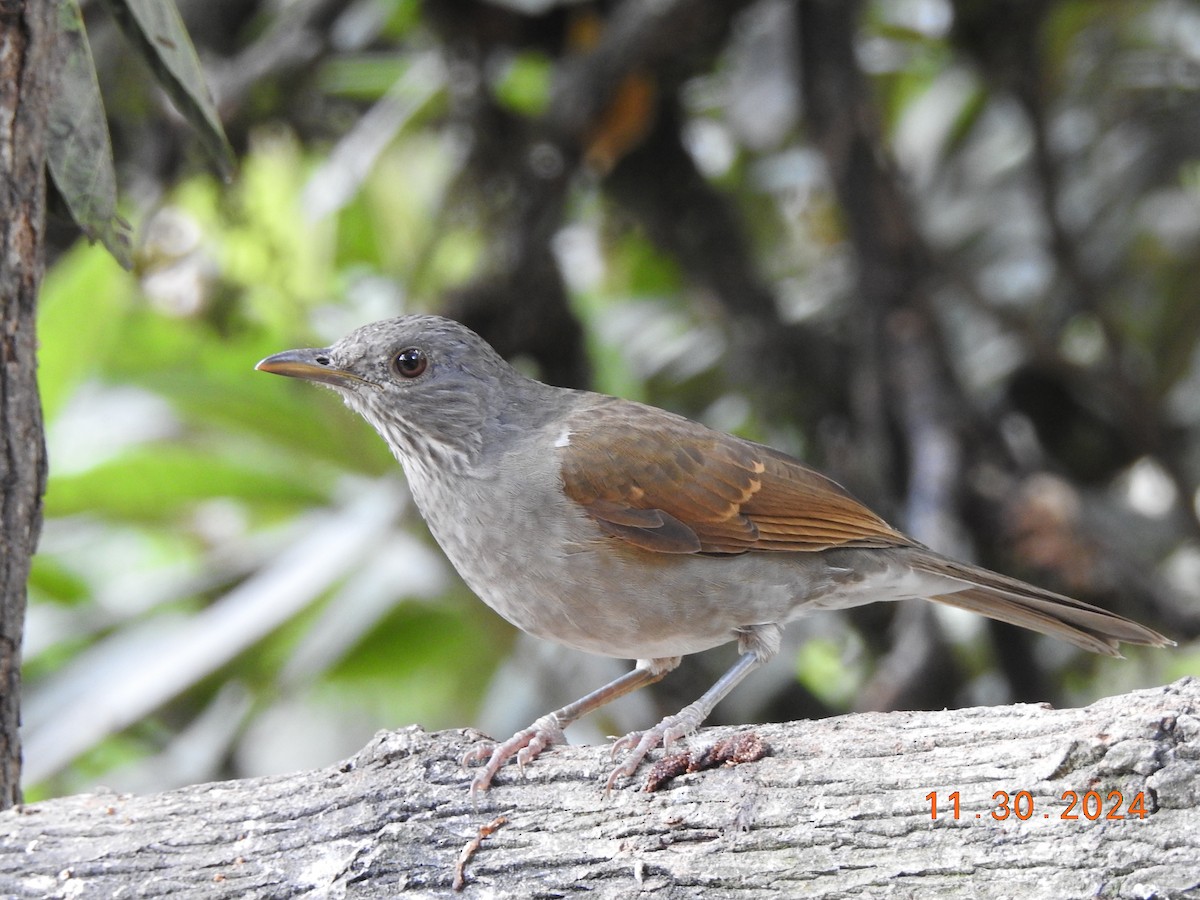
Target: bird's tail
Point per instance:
(1018, 603)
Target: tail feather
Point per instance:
(1018, 603)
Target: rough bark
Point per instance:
(26, 30)
(839, 807)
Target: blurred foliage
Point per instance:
(167, 644)
(79, 152)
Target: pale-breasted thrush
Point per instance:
(627, 531)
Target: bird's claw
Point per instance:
(525, 745)
(638, 744)
(477, 754)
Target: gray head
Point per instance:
(433, 389)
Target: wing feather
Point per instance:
(667, 484)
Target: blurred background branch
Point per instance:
(946, 250)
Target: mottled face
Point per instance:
(428, 385)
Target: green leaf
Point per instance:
(524, 87)
(155, 482)
(156, 30)
(365, 77)
(399, 669)
(822, 668)
(50, 580)
(83, 286)
(79, 149)
(211, 383)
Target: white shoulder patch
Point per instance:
(564, 439)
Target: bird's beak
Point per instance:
(311, 365)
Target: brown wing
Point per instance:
(668, 484)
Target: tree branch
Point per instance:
(839, 807)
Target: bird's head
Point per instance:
(432, 388)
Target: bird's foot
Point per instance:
(525, 745)
(638, 744)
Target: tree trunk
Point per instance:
(838, 807)
(26, 37)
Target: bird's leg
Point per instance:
(686, 721)
(526, 744)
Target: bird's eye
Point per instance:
(411, 362)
